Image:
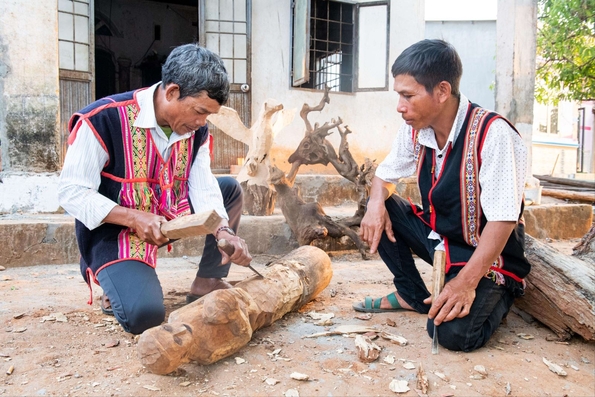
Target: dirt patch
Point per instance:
(87, 353)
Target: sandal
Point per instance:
(373, 305)
(106, 306)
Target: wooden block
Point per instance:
(191, 225)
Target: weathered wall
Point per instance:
(372, 116)
(29, 86)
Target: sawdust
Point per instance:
(89, 354)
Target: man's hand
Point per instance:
(241, 256)
(374, 222)
(454, 301)
(148, 227)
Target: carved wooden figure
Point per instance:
(259, 198)
(220, 323)
(308, 220)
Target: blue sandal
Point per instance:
(370, 305)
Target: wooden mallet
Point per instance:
(191, 225)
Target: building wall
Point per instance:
(29, 103)
(372, 116)
(475, 42)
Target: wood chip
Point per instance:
(6, 278)
(574, 367)
(409, 365)
(240, 360)
(19, 330)
(525, 336)
(271, 381)
(152, 388)
(422, 380)
(344, 329)
(60, 317)
(389, 359)
(390, 323)
(555, 368)
(477, 377)
(185, 384)
(2, 268)
(399, 386)
(112, 343)
(585, 360)
(481, 370)
(367, 351)
(394, 338)
(441, 376)
(291, 393)
(299, 376)
(17, 316)
(364, 317)
(10, 370)
(508, 389)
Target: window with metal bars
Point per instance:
(333, 38)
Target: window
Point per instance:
(73, 35)
(339, 44)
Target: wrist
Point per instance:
(222, 231)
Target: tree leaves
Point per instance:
(565, 51)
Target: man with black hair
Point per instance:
(471, 164)
(136, 160)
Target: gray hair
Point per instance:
(194, 69)
(430, 62)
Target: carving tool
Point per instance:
(229, 249)
(439, 265)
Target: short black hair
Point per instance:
(195, 69)
(430, 62)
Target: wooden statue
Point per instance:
(308, 220)
(259, 197)
(223, 321)
(560, 290)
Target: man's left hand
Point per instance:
(454, 301)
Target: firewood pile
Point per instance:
(567, 188)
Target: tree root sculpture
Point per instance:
(220, 323)
(308, 220)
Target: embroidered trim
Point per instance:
(470, 206)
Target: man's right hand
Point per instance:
(374, 223)
(146, 225)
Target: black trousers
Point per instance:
(133, 288)
(492, 301)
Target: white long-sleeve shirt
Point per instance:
(80, 178)
(502, 173)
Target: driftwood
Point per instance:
(314, 148)
(568, 195)
(308, 220)
(259, 196)
(222, 322)
(560, 291)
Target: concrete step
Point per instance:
(36, 239)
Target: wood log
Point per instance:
(191, 225)
(568, 195)
(566, 181)
(560, 291)
(220, 323)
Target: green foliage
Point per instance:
(565, 51)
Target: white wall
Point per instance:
(475, 42)
(372, 116)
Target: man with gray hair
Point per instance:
(136, 160)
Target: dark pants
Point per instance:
(133, 288)
(492, 302)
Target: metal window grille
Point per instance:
(332, 46)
